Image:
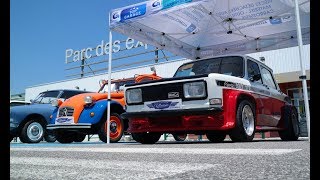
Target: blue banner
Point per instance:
(133, 12)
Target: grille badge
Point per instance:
(173, 94)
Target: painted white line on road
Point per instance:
(239, 151)
(48, 168)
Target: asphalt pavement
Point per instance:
(260, 159)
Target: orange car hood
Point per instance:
(77, 101)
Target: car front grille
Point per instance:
(65, 111)
(160, 92)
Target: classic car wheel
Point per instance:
(146, 138)
(32, 132)
(216, 136)
(292, 131)
(65, 137)
(79, 137)
(50, 137)
(116, 128)
(244, 129)
(179, 137)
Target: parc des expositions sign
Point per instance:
(101, 49)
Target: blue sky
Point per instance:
(41, 31)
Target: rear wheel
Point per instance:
(180, 137)
(146, 138)
(244, 129)
(216, 136)
(32, 132)
(116, 128)
(50, 137)
(292, 131)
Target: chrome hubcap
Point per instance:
(248, 120)
(35, 131)
(113, 127)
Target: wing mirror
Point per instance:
(255, 77)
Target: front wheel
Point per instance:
(116, 128)
(146, 138)
(244, 129)
(32, 132)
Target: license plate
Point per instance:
(163, 105)
(64, 120)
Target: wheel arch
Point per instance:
(248, 97)
(118, 108)
(40, 118)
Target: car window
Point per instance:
(68, 94)
(253, 69)
(267, 78)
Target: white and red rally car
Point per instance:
(235, 95)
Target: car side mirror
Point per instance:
(255, 77)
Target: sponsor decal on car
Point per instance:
(163, 105)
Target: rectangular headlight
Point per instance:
(133, 96)
(194, 89)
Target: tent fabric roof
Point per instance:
(198, 29)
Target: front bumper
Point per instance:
(169, 113)
(69, 126)
(170, 121)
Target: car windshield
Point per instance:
(46, 97)
(118, 86)
(229, 65)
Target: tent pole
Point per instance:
(304, 79)
(109, 85)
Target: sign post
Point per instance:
(109, 84)
(303, 76)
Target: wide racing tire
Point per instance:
(146, 138)
(245, 126)
(292, 129)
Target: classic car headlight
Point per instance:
(133, 96)
(88, 99)
(56, 102)
(194, 89)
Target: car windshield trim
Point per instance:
(229, 65)
(46, 97)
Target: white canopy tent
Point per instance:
(198, 29)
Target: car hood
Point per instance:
(20, 112)
(32, 107)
